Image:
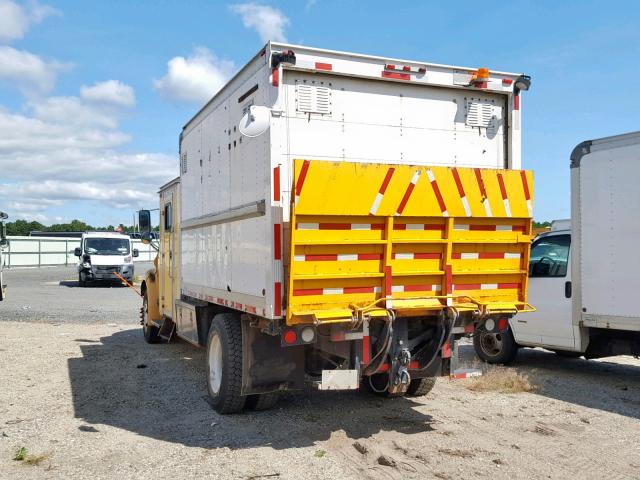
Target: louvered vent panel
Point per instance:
(479, 114)
(314, 99)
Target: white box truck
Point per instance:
(342, 218)
(583, 275)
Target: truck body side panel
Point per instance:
(605, 200)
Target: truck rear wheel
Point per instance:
(224, 363)
(421, 386)
(495, 347)
(150, 331)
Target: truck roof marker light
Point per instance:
(290, 337)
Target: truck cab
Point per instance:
(103, 254)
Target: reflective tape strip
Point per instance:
(483, 192)
(308, 226)
(415, 288)
(407, 193)
(380, 194)
(485, 286)
(438, 194)
(339, 226)
(417, 256)
(301, 178)
(417, 226)
(335, 291)
(276, 183)
(463, 195)
(483, 255)
(337, 257)
(488, 228)
(505, 198)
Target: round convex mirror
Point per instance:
(255, 122)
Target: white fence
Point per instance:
(49, 251)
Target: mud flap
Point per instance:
(266, 365)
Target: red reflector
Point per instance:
(275, 77)
(469, 328)
(290, 337)
(507, 81)
(446, 351)
(323, 66)
(503, 324)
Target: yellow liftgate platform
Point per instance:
(415, 239)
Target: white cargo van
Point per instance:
(583, 276)
(102, 254)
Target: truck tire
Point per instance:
(263, 401)
(150, 331)
(224, 363)
(495, 347)
(421, 386)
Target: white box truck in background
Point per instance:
(585, 273)
(342, 218)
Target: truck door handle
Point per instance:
(567, 289)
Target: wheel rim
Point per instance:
(145, 313)
(215, 364)
(491, 343)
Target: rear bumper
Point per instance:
(107, 272)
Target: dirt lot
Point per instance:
(94, 401)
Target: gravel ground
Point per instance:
(96, 401)
(52, 294)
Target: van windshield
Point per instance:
(106, 246)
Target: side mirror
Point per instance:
(77, 251)
(136, 253)
(146, 237)
(144, 221)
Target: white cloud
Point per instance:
(269, 22)
(16, 19)
(28, 72)
(64, 150)
(110, 92)
(195, 78)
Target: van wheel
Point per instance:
(495, 347)
(421, 386)
(263, 401)
(150, 331)
(224, 363)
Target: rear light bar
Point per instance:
(299, 335)
(405, 69)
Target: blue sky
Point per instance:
(93, 94)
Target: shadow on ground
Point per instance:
(159, 391)
(103, 284)
(599, 384)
